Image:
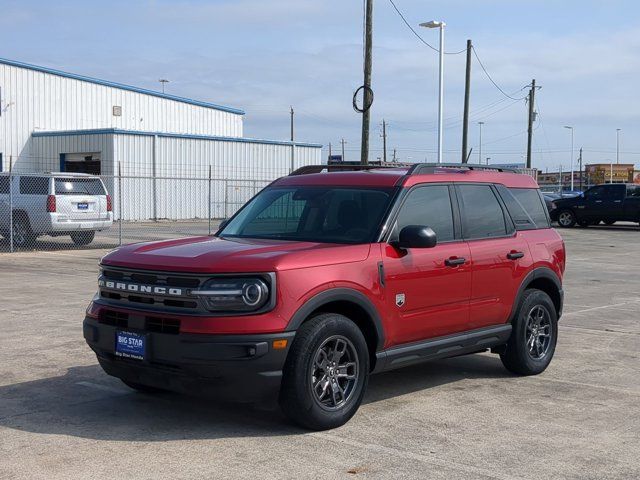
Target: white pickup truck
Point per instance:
(53, 204)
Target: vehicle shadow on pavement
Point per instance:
(86, 403)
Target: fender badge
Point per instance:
(400, 299)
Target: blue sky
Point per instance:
(263, 56)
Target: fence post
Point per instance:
(209, 195)
(119, 204)
(10, 204)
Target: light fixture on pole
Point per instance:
(163, 82)
(571, 128)
(480, 144)
(440, 25)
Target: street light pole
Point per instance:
(571, 128)
(618, 145)
(480, 144)
(440, 25)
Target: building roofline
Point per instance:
(120, 86)
(117, 131)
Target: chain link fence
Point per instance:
(60, 211)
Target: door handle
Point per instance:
(515, 255)
(598, 201)
(455, 261)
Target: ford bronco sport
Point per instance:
(325, 277)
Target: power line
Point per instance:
(491, 79)
(418, 36)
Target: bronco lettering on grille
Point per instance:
(136, 288)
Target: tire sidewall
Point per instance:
(532, 299)
(573, 218)
(296, 395)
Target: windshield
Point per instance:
(315, 214)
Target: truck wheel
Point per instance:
(533, 338)
(22, 235)
(142, 388)
(566, 219)
(326, 373)
(82, 238)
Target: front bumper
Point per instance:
(232, 367)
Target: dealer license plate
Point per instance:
(130, 345)
(83, 206)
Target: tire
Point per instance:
(23, 237)
(518, 357)
(608, 222)
(83, 238)
(139, 387)
(310, 357)
(566, 218)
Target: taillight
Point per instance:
(51, 203)
(109, 205)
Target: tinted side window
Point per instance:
(4, 184)
(482, 213)
(34, 185)
(533, 204)
(633, 191)
(430, 206)
(606, 192)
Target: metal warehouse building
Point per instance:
(170, 149)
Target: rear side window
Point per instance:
(532, 203)
(481, 212)
(429, 206)
(4, 184)
(79, 186)
(34, 185)
(633, 191)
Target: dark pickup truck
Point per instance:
(608, 203)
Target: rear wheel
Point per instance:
(566, 219)
(326, 373)
(534, 335)
(23, 237)
(83, 238)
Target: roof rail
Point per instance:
(427, 168)
(414, 168)
(308, 169)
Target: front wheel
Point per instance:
(326, 373)
(83, 238)
(534, 335)
(566, 219)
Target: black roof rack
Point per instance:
(414, 168)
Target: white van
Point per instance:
(55, 204)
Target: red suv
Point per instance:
(325, 277)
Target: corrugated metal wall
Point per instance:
(177, 187)
(34, 100)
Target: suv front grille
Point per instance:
(185, 283)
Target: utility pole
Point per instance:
(293, 147)
(617, 145)
(532, 95)
(342, 142)
(480, 145)
(384, 140)
(368, 33)
(467, 90)
(329, 151)
(395, 159)
(580, 162)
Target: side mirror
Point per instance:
(416, 236)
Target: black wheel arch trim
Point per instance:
(535, 274)
(339, 295)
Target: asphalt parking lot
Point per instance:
(61, 417)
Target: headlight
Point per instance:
(234, 294)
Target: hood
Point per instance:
(217, 255)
